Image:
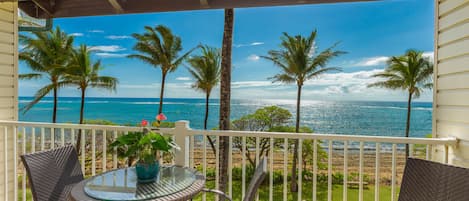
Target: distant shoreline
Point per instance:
(240, 99)
(369, 118)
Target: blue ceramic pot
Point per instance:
(147, 172)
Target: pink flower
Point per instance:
(144, 123)
(161, 117)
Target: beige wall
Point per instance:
(8, 94)
(451, 94)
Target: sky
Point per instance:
(370, 32)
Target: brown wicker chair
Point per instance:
(53, 173)
(431, 181)
(256, 181)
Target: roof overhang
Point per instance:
(75, 8)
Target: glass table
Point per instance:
(172, 183)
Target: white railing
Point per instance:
(326, 161)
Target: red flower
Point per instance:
(161, 117)
(144, 123)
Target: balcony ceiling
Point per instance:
(75, 8)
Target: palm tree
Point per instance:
(411, 72)
(83, 73)
(159, 47)
(47, 54)
(299, 62)
(225, 97)
(206, 71)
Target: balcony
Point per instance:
(334, 167)
(340, 168)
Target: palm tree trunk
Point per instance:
(407, 128)
(163, 81)
(54, 112)
(82, 113)
(207, 98)
(298, 102)
(82, 106)
(225, 97)
(294, 185)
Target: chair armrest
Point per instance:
(217, 192)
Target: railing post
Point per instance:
(181, 138)
(446, 154)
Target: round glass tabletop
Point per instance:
(122, 184)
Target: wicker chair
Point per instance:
(53, 173)
(430, 181)
(256, 181)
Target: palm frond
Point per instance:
(277, 60)
(145, 59)
(34, 62)
(178, 61)
(83, 72)
(205, 69)
(38, 96)
(416, 93)
(298, 60)
(47, 54)
(105, 82)
(317, 73)
(388, 75)
(325, 56)
(411, 72)
(159, 47)
(390, 84)
(283, 78)
(30, 76)
(428, 86)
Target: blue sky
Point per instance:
(369, 31)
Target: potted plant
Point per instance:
(144, 146)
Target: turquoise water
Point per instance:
(355, 118)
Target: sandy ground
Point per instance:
(369, 163)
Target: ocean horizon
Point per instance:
(332, 117)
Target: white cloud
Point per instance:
(109, 51)
(253, 57)
(96, 31)
(312, 51)
(359, 77)
(324, 81)
(76, 34)
(331, 86)
(379, 60)
(329, 83)
(139, 86)
(430, 55)
(371, 61)
(107, 48)
(174, 90)
(249, 44)
(183, 78)
(156, 85)
(110, 55)
(249, 84)
(256, 43)
(116, 37)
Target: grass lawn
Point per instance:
(29, 196)
(368, 194)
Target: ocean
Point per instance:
(332, 117)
